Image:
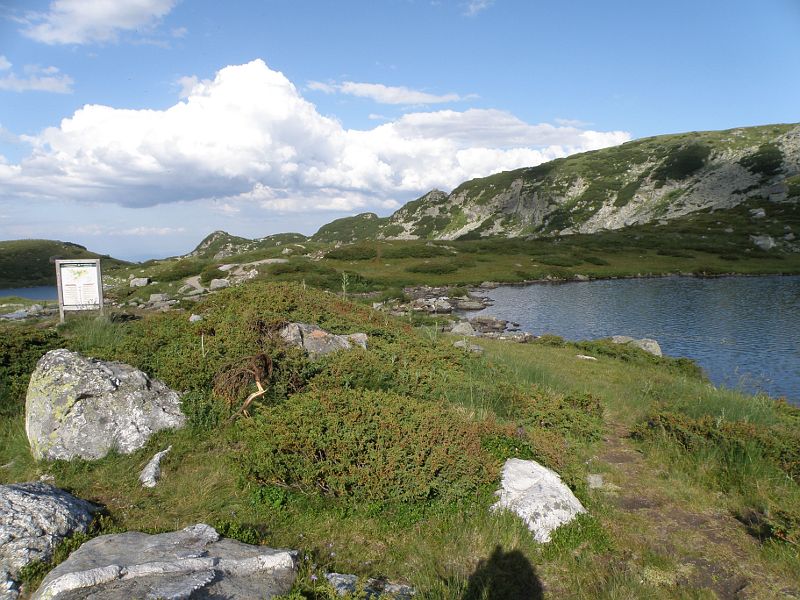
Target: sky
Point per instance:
(137, 127)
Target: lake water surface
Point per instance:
(42, 292)
(743, 331)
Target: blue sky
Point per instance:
(136, 127)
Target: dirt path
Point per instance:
(701, 549)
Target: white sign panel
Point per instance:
(80, 284)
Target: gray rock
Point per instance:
(191, 563)
(789, 237)
(537, 495)
(758, 213)
(647, 345)
(152, 471)
(195, 318)
(34, 518)
(194, 292)
(463, 328)
(765, 242)
(469, 304)
(218, 284)
(84, 407)
(489, 285)
(488, 324)
(585, 357)
(155, 298)
(318, 342)
(140, 281)
(579, 277)
(465, 345)
(595, 481)
(345, 584)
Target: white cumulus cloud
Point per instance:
(247, 137)
(87, 21)
(473, 7)
(384, 94)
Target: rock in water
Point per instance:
(83, 407)
(318, 342)
(191, 563)
(34, 518)
(537, 495)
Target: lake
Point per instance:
(743, 331)
(42, 292)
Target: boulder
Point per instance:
(488, 324)
(139, 282)
(469, 304)
(463, 328)
(34, 518)
(84, 407)
(764, 242)
(344, 584)
(156, 298)
(538, 496)
(465, 345)
(191, 563)
(318, 342)
(195, 318)
(645, 344)
(218, 284)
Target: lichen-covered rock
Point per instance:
(152, 471)
(538, 496)
(34, 518)
(463, 328)
(645, 344)
(318, 342)
(84, 407)
(190, 563)
(218, 284)
(344, 584)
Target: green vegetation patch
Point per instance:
(365, 445)
(767, 161)
(682, 162)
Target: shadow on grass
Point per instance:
(504, 576)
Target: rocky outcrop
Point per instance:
(318, 342)
(84, 407)
(34, 518)
(645, 344)
(191, 563)
(538, 496)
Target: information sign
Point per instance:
(80, 285)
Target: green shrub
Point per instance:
(674, 252)
(595, 260)
(181, 269)
(366, 445)
(211, 272)
(766, 161)
(434, 267)
(415, 251)
(559, 261)
(21, 346)
(682, 162)
(354, 252)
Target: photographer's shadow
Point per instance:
(504, 576)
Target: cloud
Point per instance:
(247, 137)
(83, 22)
(383, 94)
(36, 78)
(474, 7)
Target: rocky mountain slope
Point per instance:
(643, 181)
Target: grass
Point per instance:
(534, 400)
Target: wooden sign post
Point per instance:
(80, 285)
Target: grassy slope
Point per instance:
(25, 263)
(667, 530)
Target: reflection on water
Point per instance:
(744, 331)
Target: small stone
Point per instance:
(139, 282)
(585, 357)
(156, 298)
(758, 213)
(152, 472)
(195, 318)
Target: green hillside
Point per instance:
(25, 263)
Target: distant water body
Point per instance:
(743, 331)
(43, 292)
